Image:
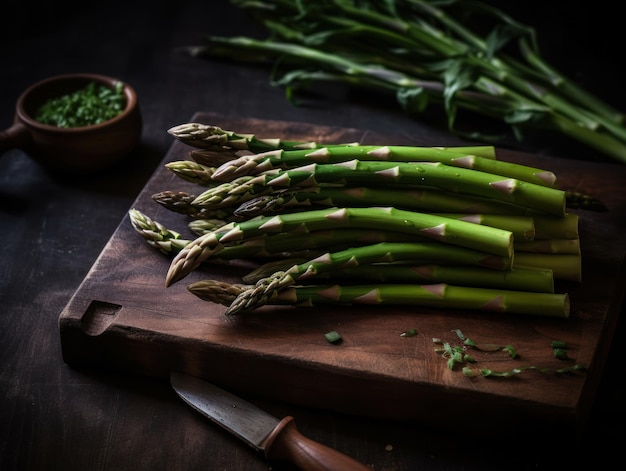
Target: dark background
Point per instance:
(55, 417)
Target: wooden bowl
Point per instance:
(79, 149)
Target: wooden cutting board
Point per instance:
(123, 318)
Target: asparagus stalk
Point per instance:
(182, 202)
(202, 226)
(170, 243)
(547, 227)
(563, 263)
(518, 279)
(440, 295)
(522, 227)
(212, 142)
(156, 234)
(281, 159)
(429, 175)
(431, 201)
(193, 172)
(549, 246)
(453, 232)
(268, 245)
(212, 157)
(216, 291)
(229, 193)
(567, 267)
(205, 136)
(384, 252)
(426, 200)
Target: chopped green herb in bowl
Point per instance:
(77, 123)
(93, 104)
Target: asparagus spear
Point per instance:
(453, 232)
(212, 157)
(383, 252)
(426, 199)
(564, 266)
(562, 263)
(355, 172)
(547, 227)
(522, 227)
(211, 142)
(267, 245)
(549, 246)
(222, 195)
(208, 136)
(170, 243)
(518, 279)
(281, 159)
(182, 202)
(202, 226)
(440, 295)
(193, 172)
(155, 233)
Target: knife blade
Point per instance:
(277, 439)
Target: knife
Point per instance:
(277, 439)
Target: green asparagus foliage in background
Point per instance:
(93, 104)
(463, 56)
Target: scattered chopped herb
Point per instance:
(511, 350)
(459, 334)
(561, 353)
(456, 355)
(409, 333)
(487, 347)
(559, 347)
(93, 104)
(514, 371)
(333, 336)
(468, 358)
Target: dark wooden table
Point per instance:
(54, 416)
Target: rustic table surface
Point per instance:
(57, 416)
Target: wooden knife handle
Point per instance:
(286, 443)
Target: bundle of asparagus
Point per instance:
(350, 224)
(466, 57)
